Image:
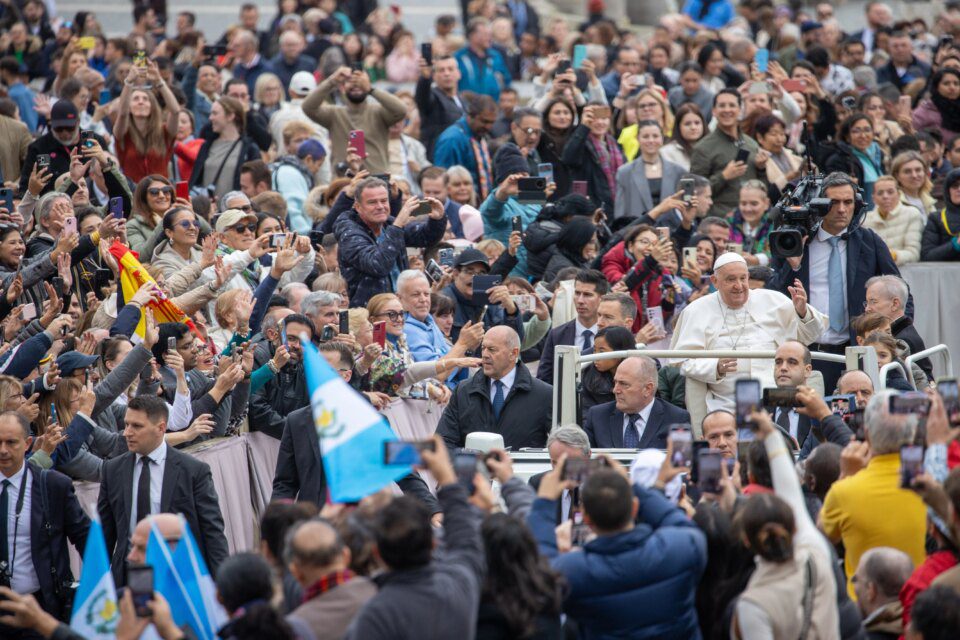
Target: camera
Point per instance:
(797, 214)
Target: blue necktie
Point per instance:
(497, 400)
(631, 437)
(587, 340)
(835, 281)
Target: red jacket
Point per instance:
(935, 564)
(186, 153)
(616, 264)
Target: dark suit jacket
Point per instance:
(48, 547)
(604, 425)
(565, 334)
(903, 329)
(534, 482)
(803, 425)
(867, 256)
(300, 475)
(437, 112)
(187, 489)
(524, 421)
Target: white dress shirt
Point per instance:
(159, 458)
(819, 293)
(24, 578)
(578, 338)
(507, 382)
(641, 423)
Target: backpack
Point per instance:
(289, 161)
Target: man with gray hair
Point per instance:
(880, 575)
(636, 418)
(249, 64)
(866, 507)
(294, 293)
(51, 213)
(573, 441)
(888, 295)
(319, 560)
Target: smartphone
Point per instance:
(480, 285)
(6, 199)
(516, 224)
(542, 292)
(579, 55)
(794, 85)
(532, 190)
(116, 207)
(283, 336)
(579, 469)
(434, 271)
(601, 112)
(212, 50)
(380, 333)
(140, 58)
(663, 233)
(445, 257)
(709, 472)
(29, 311)
(344, 325)
(86, 138)
(687, 185)
(545, 171)
(910, 402)
(465, 466)
(579, 187)
(696, 447)
(277, 240)
(747, 399)
(58, 285)
(579, 532)
(426, 52)
(841, 405)
(43, 160)
(406, 452)
(525, 302)
(105, 96)
(690, 255)
(478, 315)
(53, 413)
(734, 247)
(762, 58)
(328, 333)
(780, 397)
(950, 392)
(357, 66)
(423, 208)
(742, 154)
(357, 139)
(70, 225)
(171, 344)
(911, 464)
(682, 439)
(140, 583)
(857, 425)
(655, 317)
(183, 190)
(562, 67)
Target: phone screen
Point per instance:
(762, 58)
(950, 392)
(405, 452)
(742, 154)
(682, 440)
(911, 464)
(780, 397)
(140, 583)
(579, 55)
(747, 400)
(708, 468)
(29, 311)
(344, 327)
(579, 187)
(465, 466)
(545, 171)
(910, 402)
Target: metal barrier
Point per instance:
(890, 366)
(926, 353)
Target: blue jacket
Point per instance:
(640, 583)
(368, 262)
(498, 223)
(285, 70)
(426, 342)
(250, 74)
(199, 103)
(452, 210)
(482, 75)
(454, 147)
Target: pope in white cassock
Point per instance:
(736, 318)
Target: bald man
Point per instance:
(503, 398)
(316, 555)
(857, 383)
(168, 524)
(636, 419)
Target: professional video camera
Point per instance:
(797, 214)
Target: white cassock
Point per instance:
(767, 320)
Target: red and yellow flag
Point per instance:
(132, 277)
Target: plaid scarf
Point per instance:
(481, 154)
(326, 583)
(250, 273)
(610, 158)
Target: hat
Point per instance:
(232, 217)
(810, 25)
(72, 360)
(728, 258)
(312, 148)
(507, 162)
(63, 115)
(471, 256)
(472, 222)
(646, 468)
(302, 83)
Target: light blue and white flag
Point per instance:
(171, 579)
(199, 579)
(351, 433)
(95, 610)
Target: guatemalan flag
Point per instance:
(95, 610)
(351, 433)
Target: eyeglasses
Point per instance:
(188, 224)
(240, 228)
(155, 191)
(648, 105)
(861, 130)
(245, 208)
(394, 316)
(530, 131)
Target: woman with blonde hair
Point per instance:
(268, 94)
(650, 106)
(912, 174)
(11, 398)
(460, 186)
(900, 225)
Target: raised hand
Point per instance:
(799, 297)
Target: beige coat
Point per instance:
(16, 138)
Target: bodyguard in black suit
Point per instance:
(588, 287)
(39, 513)
(637, 419)
(861, 254)
(300, 474)
(178, 483)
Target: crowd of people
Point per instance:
(438, 214)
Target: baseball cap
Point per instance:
(312, 148)
(471, 256)
(233, 217)
(302, 83)
(63, 114)
(72, 360)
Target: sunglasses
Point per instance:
(188, 224)
(240, 228)
(245, 208)
(155, 191)
(394, 316)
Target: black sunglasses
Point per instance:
(155, 191)
(240, 228)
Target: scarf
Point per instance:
(250, 273)
(949, 111)
(328, 582)
(608, 151)
(481, 154)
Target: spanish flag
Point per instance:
(132, 277)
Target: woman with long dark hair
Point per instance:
(941, 236)
(942, 109)
(522, 594)
(597, 381)
(576, 247)
(593, 155)
(245, 588)
(559, 119)
(689, 126)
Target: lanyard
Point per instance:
(943, 218)
(16, 525)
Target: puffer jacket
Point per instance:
(540, 242)
(646, 293)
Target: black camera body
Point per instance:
(798, 214)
